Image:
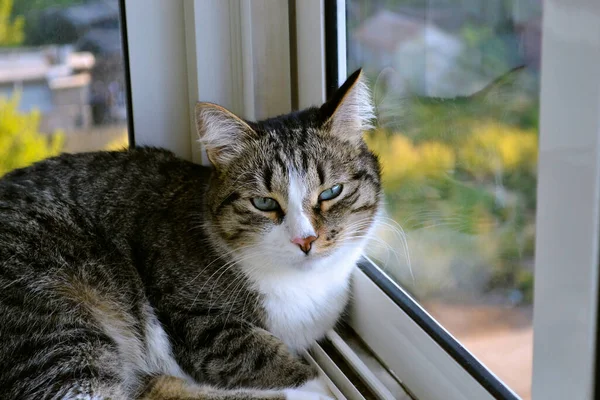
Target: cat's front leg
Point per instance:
(237, 354)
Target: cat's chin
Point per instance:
(293, 263)
(300, 262)
(318, 261)
(307, 264)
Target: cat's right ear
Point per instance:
(221, 133)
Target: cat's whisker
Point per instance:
(367, 221)
(256, 299)
(421, 219)
(227, 268)
(236, 290)
(228, 253)
(401, 234)
(241, 276)
(224, 267)
(357, 226)
(377, 241)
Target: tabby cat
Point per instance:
(135, 274)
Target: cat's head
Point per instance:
(295, 190)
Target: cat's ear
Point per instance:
(349, 113)
(221, 132)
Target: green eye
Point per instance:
(331, 193)
(265, 204)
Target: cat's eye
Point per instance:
(265, 204)
(331, 193)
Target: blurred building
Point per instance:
(51, 75)
(419, 52)
(54, 80)
(441, 50)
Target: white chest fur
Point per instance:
(301, 311)
(301, 306)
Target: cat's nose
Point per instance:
(304, 243)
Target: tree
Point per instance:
(42, 23)
(11, 29)
(21, 144)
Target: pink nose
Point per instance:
(304, 243)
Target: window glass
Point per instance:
(459, 161)
(62, 82)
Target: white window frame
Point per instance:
(221, 51)
(237, 53)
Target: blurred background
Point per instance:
(459, 165)
(62, 81)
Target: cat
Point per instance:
(135, 274)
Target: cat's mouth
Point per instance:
(307, 260)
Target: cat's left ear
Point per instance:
(221, 132)
(349, 113)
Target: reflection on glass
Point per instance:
(459, 160)
(62, 83)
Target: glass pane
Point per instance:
(457, 136)
(62, 82)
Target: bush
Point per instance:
(478, 190)
(405, 162)
(11, 29)
(495, 149)
(21, 143)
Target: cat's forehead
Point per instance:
(303, 151)
(285, 171)
(292, 158)
(291, 140)
(299, 144)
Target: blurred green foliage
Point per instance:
(37, 32)
(467, 167)
(21, 143)
(11, 28)
(23, 7)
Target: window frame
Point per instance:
(164, 35)
(183, 70)
(127, 72)
(568, 197)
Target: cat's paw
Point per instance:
(315, 389)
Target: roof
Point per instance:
(70, 81)
(91, 13)
(386, 29)
(34, 65)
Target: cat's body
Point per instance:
(136, 273)
(144, 196)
